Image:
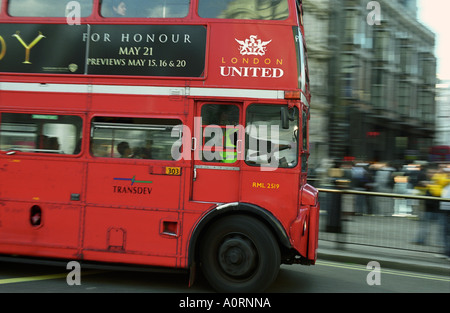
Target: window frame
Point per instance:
(30, 12)
(102, 11)
(40, 139)
(111, 151)
(198, 9)
(296, 130)
(228, 147)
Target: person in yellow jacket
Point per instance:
(230, 150)
(432, 213)
(439, 181)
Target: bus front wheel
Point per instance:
(239, 254)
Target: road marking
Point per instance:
(384, 271)
(41, 277)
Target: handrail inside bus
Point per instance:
(132, 126)
(12, 151)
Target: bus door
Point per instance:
(133, 188)
(217, 149)
(41, 181)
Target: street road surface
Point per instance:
(325, 277)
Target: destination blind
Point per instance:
(139, 50)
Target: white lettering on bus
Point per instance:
(253, 61)
(96, 37)
(162, 38)
(264, 72)
(108, 62)
(138, 38)
(129, 50)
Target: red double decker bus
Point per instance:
(168, 133)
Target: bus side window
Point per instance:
(220, 133)
(135, 138)
(40, 133)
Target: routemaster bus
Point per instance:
(166, 133)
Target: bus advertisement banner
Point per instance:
(150, 50)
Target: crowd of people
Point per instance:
(418, 178)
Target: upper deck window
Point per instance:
(244, 9)
(47, 8)
(145, 8)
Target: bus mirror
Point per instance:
(286, 116)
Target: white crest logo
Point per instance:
(253, 46)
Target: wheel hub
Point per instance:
(237, 256)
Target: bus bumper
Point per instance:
(304, 231)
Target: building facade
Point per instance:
(380, 79)
(443, 113)
(317, 28)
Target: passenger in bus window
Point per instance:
(53, 144)
(144, 152)
(138, 153)
(77, 147)
(119, 8)
(100, 150)
(124, 150)
(50, 144)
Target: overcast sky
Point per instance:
(435, 14)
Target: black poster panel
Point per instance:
(140, 50)
(42, 48)
(147, 50)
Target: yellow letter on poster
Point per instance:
(28, 47)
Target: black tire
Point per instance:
(239, 254)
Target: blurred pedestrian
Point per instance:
(445, 209)
(322, 171)
(416, 177)
(384, 182)
(337, 177)
(401, 207)
(361, 181)
(432, 212)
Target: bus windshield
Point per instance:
(268, 143)
(244, 9)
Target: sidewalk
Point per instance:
(389, 258)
